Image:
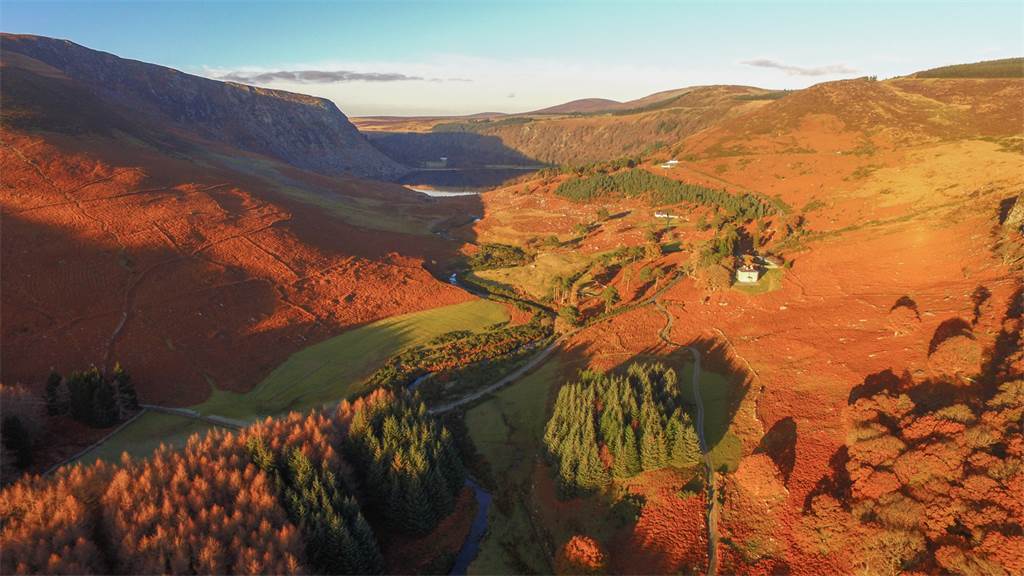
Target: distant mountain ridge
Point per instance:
(1004, 68)
(304, 131)
(582, 105)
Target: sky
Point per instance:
(433, 58)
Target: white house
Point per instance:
(670, 164)
(666, 215)
(747, 275)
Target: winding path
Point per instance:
(508, 379)
(711, 491)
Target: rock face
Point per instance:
(1015, 216)
(304, 131)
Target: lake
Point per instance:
(462, 181)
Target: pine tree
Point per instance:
(81, 388)
(652, 447)
(127, 399)
(104, 405)
(610, 296)
(416, 507)
(260, 455)
(369, 559)
(56, 403)
(630, 453)
(683, 445)
(16, 439)
(591, 474)
(619, 465)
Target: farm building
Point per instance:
(667, 215)
(747, 274)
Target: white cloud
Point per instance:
(792, 70)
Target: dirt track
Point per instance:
(712, 500)
(512, 377)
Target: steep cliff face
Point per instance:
(304, 131)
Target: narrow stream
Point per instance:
(415, 383)
(471, 547)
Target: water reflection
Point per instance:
(453, 181)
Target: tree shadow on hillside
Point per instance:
(999, 364)
(979, 297)
(908, 303)
(950, 328)
(779, 443)
(836, 483)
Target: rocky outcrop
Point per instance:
(1014, 219)
(304, 131)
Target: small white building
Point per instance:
(670, 164)
(747, 275)
(666, 215)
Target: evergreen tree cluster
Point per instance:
(591, 168)
(408, 464)
(721, 246)
(660, 190)
(21, 427)
(274, 498)
(462, 361)
(338, 538)
(91, 397)
(491, 256)
(608, 426)
(1005, 68)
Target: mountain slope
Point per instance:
(902, 226)
(1005, 68)
(304, 131)
(582, 106)
(584, 131)
(195, 264)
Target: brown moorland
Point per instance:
(903, 187)
(863, 400)
(195, 264)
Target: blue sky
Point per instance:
(463, 57)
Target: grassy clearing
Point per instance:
(508, 432)
(771, 281)
(334, 369)
(717, 392)
(536, 278)
(144, 435)
(514, 417)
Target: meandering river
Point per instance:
(471, 547)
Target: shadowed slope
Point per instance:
(301, 130)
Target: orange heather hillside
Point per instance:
(189, 261)
(905, 273)
(729, 330)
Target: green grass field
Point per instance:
(144, 435)
(334, 369)
(537, 278)
(508, 432)
(716, 391)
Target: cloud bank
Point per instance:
(791, 70)
(324, 77)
